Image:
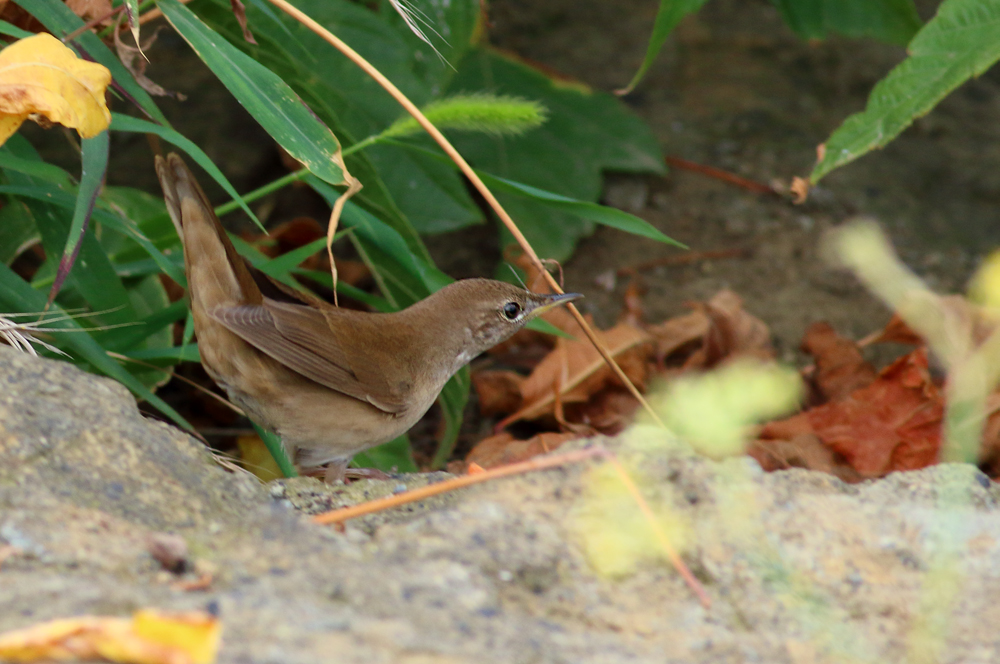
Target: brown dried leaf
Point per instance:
(675, 333)
(498, 391)
(90, 10)
(502, 449)
(575, 370)
(840, 369)
(134, 60)
(732, 332)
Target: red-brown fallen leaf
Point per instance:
(840, 369)
(896, 332)
(786, 429)
(503, 449)
(969, 323)
(498, 391)
(893, 424)
(732, 332)
(574, 370)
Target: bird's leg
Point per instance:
(337, 470)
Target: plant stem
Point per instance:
(286, 180)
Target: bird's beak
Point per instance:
(549, 300)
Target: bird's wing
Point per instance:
(301, 339)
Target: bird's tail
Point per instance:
(216, 274)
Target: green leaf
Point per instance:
(587, 133)
(188, 353)
(129, 124)
(960, 42)
(400, 189)
(36, 168)
(17, 231)
(668, 16)
(277, 108)
(274, 445)
(893, 21)
(607, 216)
(94, 154)
(394, 455)
(453, 400)
(60, 21)
(14, 31)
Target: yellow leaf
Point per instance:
(39, 75)
(148, 638)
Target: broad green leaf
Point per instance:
(587, 133)
(667, 17)
(17, 231)
(601, 214)
(894, 21)
(127, 123)
(962, 41)
(60, 21)
(277, 108)
(394, 455)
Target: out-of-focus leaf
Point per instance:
(893, 21)
(957, 44)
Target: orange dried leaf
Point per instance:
(39, 75)
(895, 332)
(840, 369)
(799, 189)
(893, 424)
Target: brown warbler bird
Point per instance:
(330, 381)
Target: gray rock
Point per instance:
(800, 566)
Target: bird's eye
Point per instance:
(511, 310)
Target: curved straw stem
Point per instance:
(450, 150)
